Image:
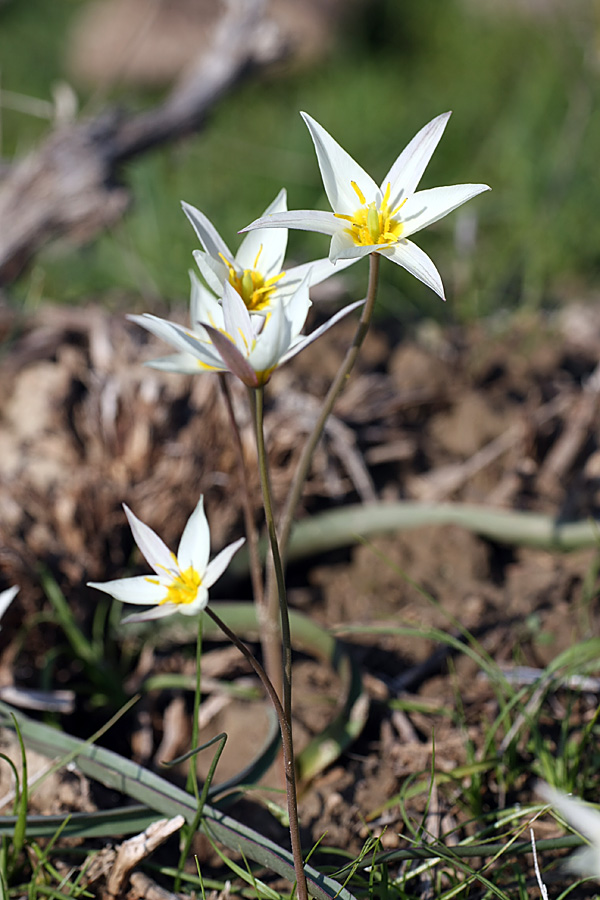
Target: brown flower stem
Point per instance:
(287, 518)
(249, 523)
(288, 753)
(192, 779)
(257, 396)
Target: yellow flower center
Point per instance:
(372, 225)
(184, 588)
(253, 288)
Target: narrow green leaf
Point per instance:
(166, 799)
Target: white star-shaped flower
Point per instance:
(180, 583)
(228, 339)
(255, 271)
(368, 218)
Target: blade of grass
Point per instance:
(135, 781)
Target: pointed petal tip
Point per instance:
(98, 585)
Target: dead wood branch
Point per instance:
(69, 187)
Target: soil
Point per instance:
(502, 413)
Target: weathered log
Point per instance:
(70, 186)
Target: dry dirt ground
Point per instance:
(504, 414)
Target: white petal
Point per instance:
(406, 172)
(297, 308)
(580, 815)
(181, 338)
(264, 249)
(7, 597)
(183, 364)
(204, 306)
(234, 361)
(304, 219)
(197, 605)
(209, 237)
(305, 341)
(154, 550)
(213, 270)
(273, 341)
(585, 862)
(217, 566)
(238, 323)
(416, 261)
(133, 590)
(339, 170)
(426, 207)
(157, 612)
(194, 547)
(343, 247)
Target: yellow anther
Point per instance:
(260, 249)
(184, 588)
(358, 192)
(372, 225)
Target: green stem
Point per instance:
(286, 637)
(192, 779)
(335, 390)
(288, 754)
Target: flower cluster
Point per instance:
(248, 313)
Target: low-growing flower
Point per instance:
(585, 819)
(180, 583)
(228, 339)
(370, 219)
(255, 271)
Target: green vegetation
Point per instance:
(525, 99)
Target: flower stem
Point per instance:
(192, 779)
(288, 753)
(337, 385)
(249, 524)
(267, 609)
(286, 638)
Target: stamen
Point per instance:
(229, 264)
(184, 588)
(399, 207)
(358, 192)
(260, 249)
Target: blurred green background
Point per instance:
(524, 90)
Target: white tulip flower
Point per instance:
(228, 339)
(181, 582)
(255, 271)
(370, 219)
